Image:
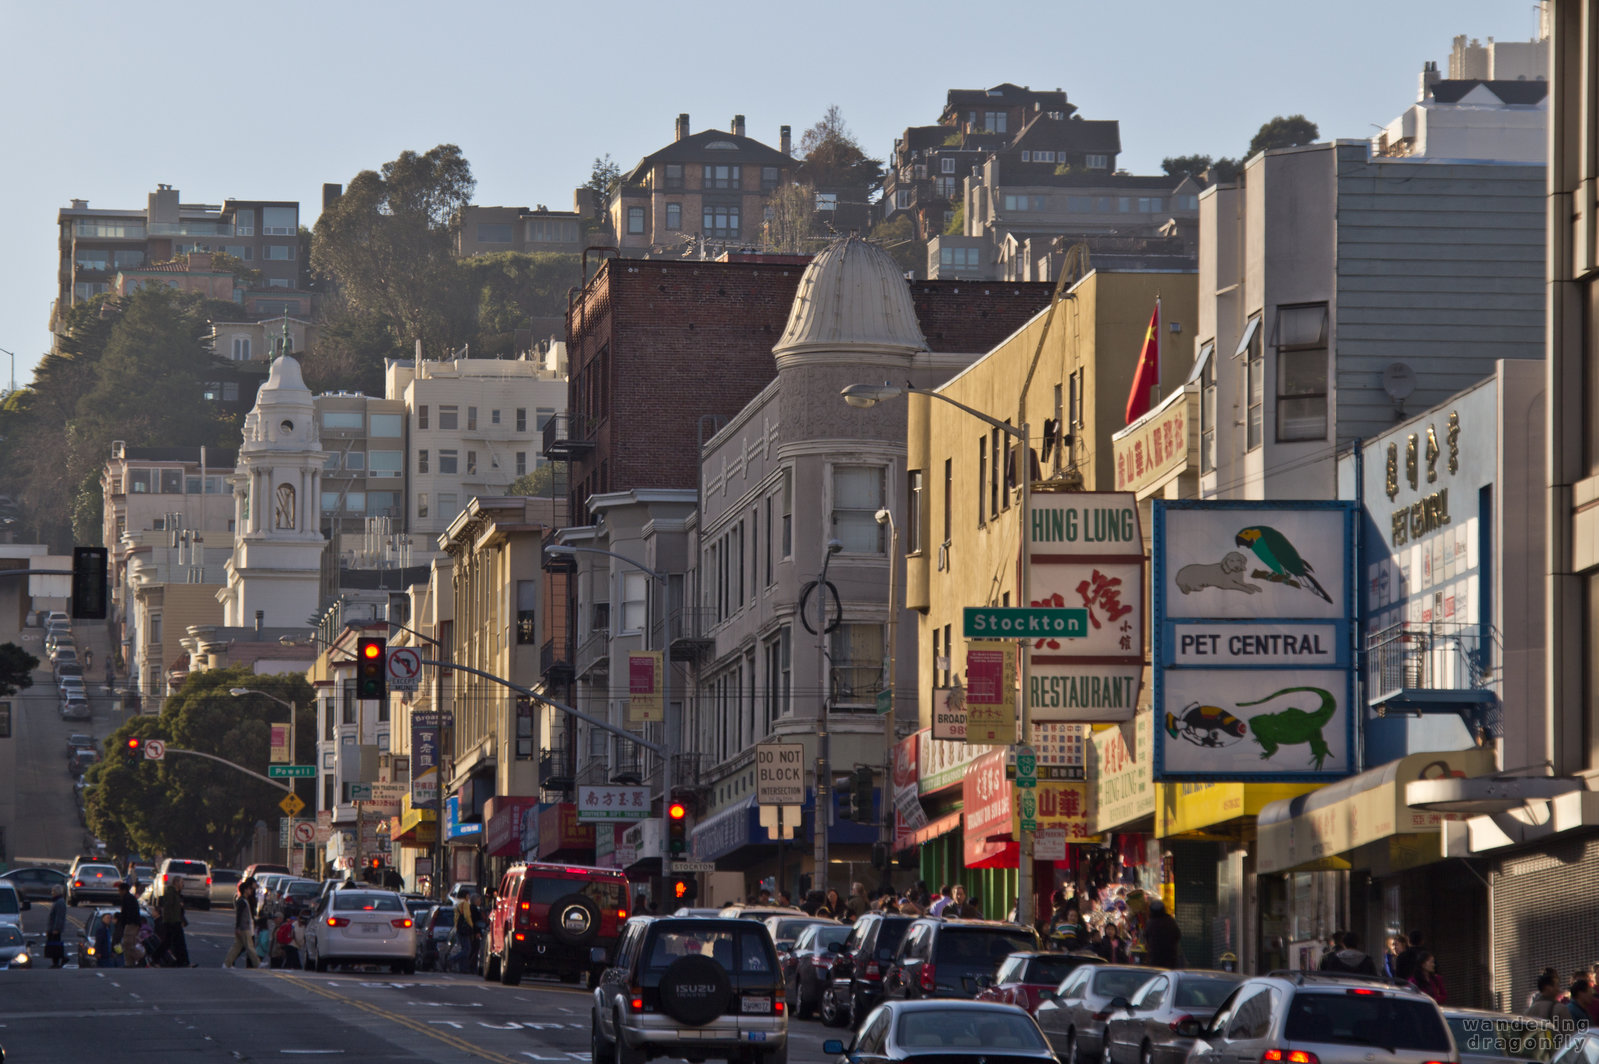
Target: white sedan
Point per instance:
(361, 926)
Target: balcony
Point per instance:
(569, 435)
(555, 768)
(555, 662)
(690, 628)
(1436, 667)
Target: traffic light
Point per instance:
(89, 583)
(133, 749)
(685, 889)
(861, 796)
(371, 668)
(844, 795)
(677, 829)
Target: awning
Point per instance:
(502, 824)
(942, 826)
(731, 829)
(1368, 808)
(1249, 334)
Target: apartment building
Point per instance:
(703, 191)
(487, 230)
(363, 476)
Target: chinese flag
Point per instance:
(1146, 378)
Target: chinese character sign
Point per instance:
(990, 692)
(644, 686)
(281, 754)
(612, 803)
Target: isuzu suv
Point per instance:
(552, 918)
(191, 879)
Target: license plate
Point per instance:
(757, 1004)
(371, 929)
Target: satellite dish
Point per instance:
(1398, 380)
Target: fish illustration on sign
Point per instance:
(1283, 563)
(1205, 725)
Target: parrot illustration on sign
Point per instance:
(1282, 561)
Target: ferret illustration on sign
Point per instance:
(1225, 575)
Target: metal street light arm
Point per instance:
(871, 394)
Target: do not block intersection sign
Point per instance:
(780, 774)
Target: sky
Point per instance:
(269, 102)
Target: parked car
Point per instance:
(932, 1030)
(785, 929)
(1485, 1037)
(433, 937)
(941, 958)
(1074, 1018)
(224, 885)
(299, 895)
(1159, 1023)
(12, 904)
(1330, 1019)
(857, 977)
(93, 882)
(81, 759)
(260, 869)
(1027, 979)
(553, 918)
(75, 706)
(691, 987)
(191, 879)
(81, 739)
(761, 912)
(808, 965)
(361, 926)
(36, 882)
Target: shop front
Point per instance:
(562, 836)
(736, 841)
(413, 836)
(502, 831)
(463, 842)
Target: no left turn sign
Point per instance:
(155, 750)
(405, 668)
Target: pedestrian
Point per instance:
(130, 920)
(1390, 959)
(1405, 963)
(858, 903)
(1577, 1015)
(173, 921)
(293, 953)
(834, 904)
(941, 902)
(920, 895)
(1425, 978)
(463, 935)
(1350, 958)
(107, 950)
(1113, 947)
(243, 925)
(1554, 978)
(1546, 1000)
(959, 907)
(784, 900)
(1162, 937)
(56, 927)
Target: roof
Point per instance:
(696, 148)
(1075, 133)
(1509, 92)
(1006, 93)
(215, 457)
(851, 295)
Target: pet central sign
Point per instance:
(1253, 667)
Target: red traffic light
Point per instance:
(370, 649)
(679, 889)
(677, 810)
(134, 744)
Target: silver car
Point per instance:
(1485, 1037)
(1159, 1024)
(191, 879)
(944, 1029)
(361, 926)
(1074, 1019)
(1333, 1019)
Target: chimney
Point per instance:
(785, 140)
(682, 126)
(738, 125)
(260, 619)
(1429, 78)
(331, 191)
(80, 204)
(199, 262)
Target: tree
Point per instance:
(539, 484)
(897, 236)
(16, 669)
(389, 243)
(957, 223)
(832, 158)
(222, 262)
(1281, 132)
(508, 289)
(790, 226)
(190, 805)
(1191, 165)
(603, 179)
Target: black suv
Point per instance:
(857, 979)
(691, 986)
(940, 958)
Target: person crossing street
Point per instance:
(243, 926)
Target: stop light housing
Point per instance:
(371, 667)
(133, 749)
(861, 795)
(89, 583)
(677, 829)
(685, 889)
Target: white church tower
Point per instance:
(277, 556)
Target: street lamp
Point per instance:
(886, 517)
(294, 784)
(669, 725)
(869, 395)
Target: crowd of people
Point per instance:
(1571, 1007)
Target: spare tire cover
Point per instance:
(574, 919)
(694, 990)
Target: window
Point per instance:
(959, 258)
(912, 540)
(946, 165)
(471, 419)
(527, 605)
(635, 220)
(386, 426)
(349, 707)
(385, 463)
(493, 233)
(998, 497)
(449, 503)
(674, 216)
(721, 177)
(945, 187)
(543, 415)
(1151, 204)
(902, 199)
(994, 121)
(1026, 203)
(1254, 381)
(770, 175)
(331, 501)
(241, 349)
(355, 502)
(449, 461)
(600, 617)
(674, 175)
(1074, 412)
(343, 419)
(857, 663)
(279, 221)
(244, 223)
(982, 478)
(1096, 162)
(788, 514)
(171, 482)
(330, 463)
(521, 419)
(449, 418)
(635, 602)
(422, 461)
(422, 417)
(857, 496)
(551, 231)
(1188, 203)
(421, 504)
(1301, 342)
(1251, 1017)
(382, 503)
(278, 252)
(471, 461)
(778, 671)
(721, 219)
(93, 259)
(355, 460)
(124, 260)
(1207, 409)
(521, 462)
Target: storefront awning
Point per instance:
(502, 824)
(1368, 808)
(942, 826)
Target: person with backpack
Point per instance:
(1349, 957)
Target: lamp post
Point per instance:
(294, 784)
(669, 724)
(824, 788)
(869, 395)
(886, 517)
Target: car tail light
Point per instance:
(208, 881)
(872, 971)
(1102, 1015)
(1184, 1025)
(621, 914)
(777, 1005)
(927, 976)
(635, 999)
(338, 921)
(77, 883)
(520, 936)
(402, 922)
(525, 906)
(1364, 991)
(1288, 1056)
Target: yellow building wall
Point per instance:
(1097, 331)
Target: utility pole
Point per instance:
(823, 818)
(886, 516)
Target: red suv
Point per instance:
(550, 917)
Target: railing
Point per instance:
(564, 431)
(553, 654)
(555, 766)
(1439, 656)
(692, 623)
(688, 769)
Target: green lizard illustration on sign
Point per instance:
(1290, 727)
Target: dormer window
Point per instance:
(721, 145)
(286, 427)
